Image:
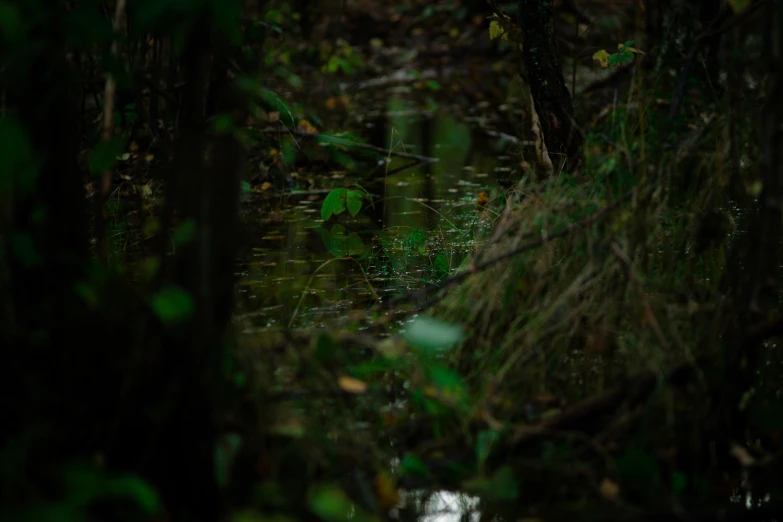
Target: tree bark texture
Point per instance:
(544, 75)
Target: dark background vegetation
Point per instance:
(607, 349)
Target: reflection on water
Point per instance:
(420, 226)
(442, 506)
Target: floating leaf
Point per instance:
(431, 334)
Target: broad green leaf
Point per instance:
(226, 449)
(334, 203)
(428, 334)
(172, 304)
(135, 488)
(105, 154)
(331, 503)
(441, 266)
(679, 481)
(501, 486)
(446, 379)
(412, 465)
(222, 124)
(18, 165)
(10, 23)
(638, 467)
(341, 244)
(23, 247)
(185, 232)
(486, 440)
(354, 202)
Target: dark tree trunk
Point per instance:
(544, 74)
(752, 274)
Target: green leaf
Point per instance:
(105, 154)
(172, 304)
(440, 267)
(222, 124)
(10, 23)
(185, 232)
(226, 449)
(23, 247)
(135, 488)
(331, 503)
(501, 486)
(679, 482)
(428, 334)
(638, 468)
(412, 465)
(341, 244)
(18, 165)
(446, 379)
(334, 203)
(486, 439)
(354, 201)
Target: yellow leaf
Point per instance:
(149, 157)
(352, 385)
(306, 127)
(495, 30)
(133, 146)
(266, 185)
(609, 489)
(388, 496)
(602, 57)
(331, 103)
(454, 32)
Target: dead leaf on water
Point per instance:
(352, 385)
